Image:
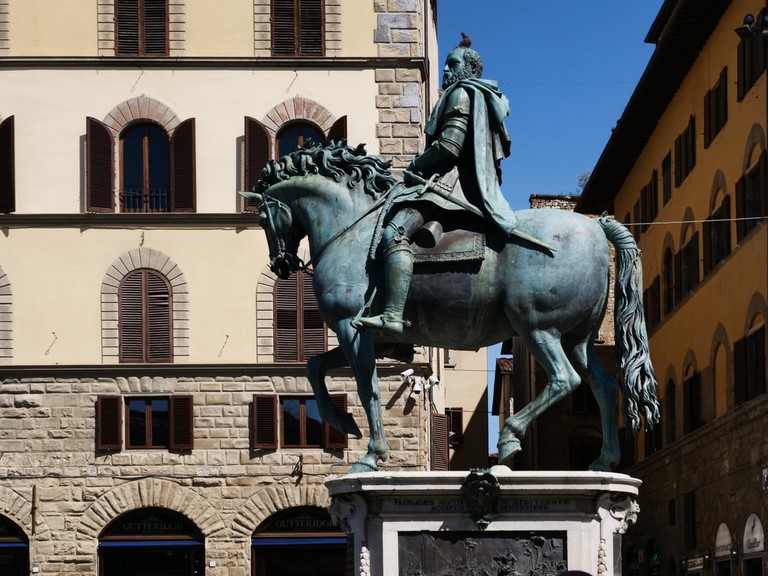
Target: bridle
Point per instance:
(290, 262)
(282, 262)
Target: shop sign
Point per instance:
(754, 538)
(723, 541)
(304, 521)
(696, 563)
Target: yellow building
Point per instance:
(154, 409)
(686, 168)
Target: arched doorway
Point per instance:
(151, 542)
(300, 541)
(14, 549)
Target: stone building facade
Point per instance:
(154, 409)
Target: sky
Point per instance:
(568, 69)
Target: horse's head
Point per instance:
(283, 236)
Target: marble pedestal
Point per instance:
(485, 523)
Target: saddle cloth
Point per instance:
(459, 236)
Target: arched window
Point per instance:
(144, 302)
(157, 174)
(717, 233)
(670, 412)
(300, 332)
(669, 281)
(145, 183)
(294, 136)
(749, 362)
(692, 401)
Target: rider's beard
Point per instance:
(450, 78)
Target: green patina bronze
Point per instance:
(482, 273)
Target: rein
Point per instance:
(372, 208)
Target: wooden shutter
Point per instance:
(708, 118)
(721, 110)
(287, 319)
(7, 166)
(183, 167)
(100, 167)
(678, 276)
(284, 27)
(155, 27)
(313, 332)
(740, 371)
(158, 313)
(127, 27)
(182, 423)
(338, 131)
(333, 438)
(109, 423)
(439, 442)
(311, 27)
(679, 161)
(256, 156)
(741, 198)
(131, 318)
(264, 421)
(711, 230)
(145, 307)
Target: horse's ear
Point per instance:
(253, 196)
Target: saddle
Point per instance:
(450, 235)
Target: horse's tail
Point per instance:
(637, 380)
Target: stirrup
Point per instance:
(382, 322)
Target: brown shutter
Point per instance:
(283, 28)
(439, 442)
(338, 131)
(155, 27)
(127, 27)
(100, 166)
(183, 167)
(256, 156)
(679, 161)
(159, 326)
(264, 421)
(109, 423)
(741, 193)
(710, 230)
(313, 332)
(7, 166)
(131, 321)
(286, 319)
(311, 27)
(182, 423)
(335, 439)
(693, 260)
(679, 276)
(722, 98)
(708, 114)
(740, 371)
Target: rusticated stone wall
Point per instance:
(62, 493)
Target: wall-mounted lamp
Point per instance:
(749, 30)
(734, 550)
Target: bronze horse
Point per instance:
(554, 300)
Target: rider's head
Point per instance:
(460, 64)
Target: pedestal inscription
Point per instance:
(481, 554)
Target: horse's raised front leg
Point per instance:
(359, 349)
(317, 368)
(546, 348)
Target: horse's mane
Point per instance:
(334, 161)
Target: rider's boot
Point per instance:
(398, 269)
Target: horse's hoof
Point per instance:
(362, 467)
(507, 449)
(602, 465)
